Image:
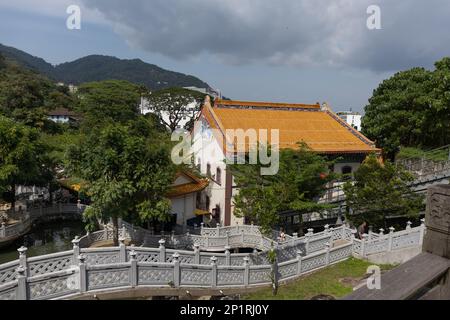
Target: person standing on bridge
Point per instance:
(361, 230)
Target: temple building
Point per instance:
(317, 126)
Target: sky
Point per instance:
(303, 51)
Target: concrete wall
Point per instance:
(395, 257)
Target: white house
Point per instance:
(352, 118)
(62, 115)
(321, 129)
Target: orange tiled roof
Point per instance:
(196, 185)
(321, 130)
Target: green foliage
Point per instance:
(380, 190)
(23, 158)
(110, 101)
(128, 171)
(27, 97)
(179, 103)
(411, 109)
(299, 182)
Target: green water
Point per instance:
(45, 238)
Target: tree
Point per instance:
(298, 184)
(128, 171)
(410, 109)
(109, 101)
(174, 105)
(27, 97)
(23, 158)
(379, 190)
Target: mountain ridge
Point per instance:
(97, 67)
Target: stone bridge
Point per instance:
(25, 220)
(84, 272)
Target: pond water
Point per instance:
(45, 238)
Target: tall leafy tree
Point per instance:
(109, 101)
(23, 158)
(410, 109)
(298, 184)
(174, 105)
(379, 190)
(128, 171)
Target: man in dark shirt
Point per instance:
(362, 229)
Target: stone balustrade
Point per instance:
(87, 270)
(11, 232)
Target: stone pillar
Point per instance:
(228, 238)
(422, 231)
(82, 271)
(437, 218)
(391, 234)
(227, 256)
(246, 271)
(381, 231)
(294, 238)
(123, 250)
(327, 255)
(370, 232)
(213, 272)
(299, 262)
(23, 259)
(76, 250)
(133, 269)
(196, 253)
(408, 225)
(22, 292)
(176, 270)
(307, 238)
(162, 250)
(363, 245)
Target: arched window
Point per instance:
(208, 170)
(346, 170)
(218, 175)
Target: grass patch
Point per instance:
(335, 280)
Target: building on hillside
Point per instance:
(62, 115)
(321, 129)
(351, 117)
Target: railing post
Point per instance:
(201, 228)
(391, 233)
(176, 269)
(327, 255)
(228, 238)
(408, 225)
(307, 238)
(3, 230)
(213, 271)
(227, 256)
(242, 237)
(122, 250)
(299, 262)
(23, 259)
(370, 232)
(422, 231)
(76, 250)
(294, 238)
(218, 229)
(22, 292)
(326, 228)
(133, 269)
(82, 270)
(246, 271)
(105, 233)
(162, 250)
(363, 245)
(343, 232)
(196, 253)
(381, 232)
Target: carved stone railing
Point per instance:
(8, 233)
(85, 270)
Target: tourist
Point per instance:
(361, 230)
(282, 236)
